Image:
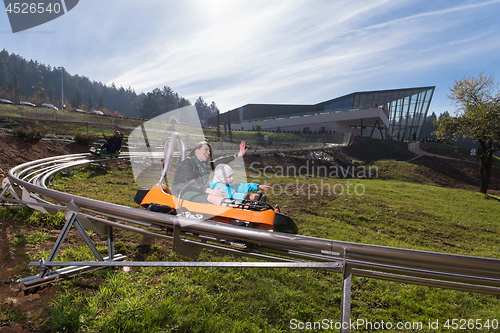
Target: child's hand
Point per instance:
(215, 192)
(264, 187)
(254, 196)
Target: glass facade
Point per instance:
(405, 108)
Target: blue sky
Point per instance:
(236, 52)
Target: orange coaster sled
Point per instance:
(254, 214)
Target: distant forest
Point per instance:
(429, 128)
(22, 80)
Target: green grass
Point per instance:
(412, 214)
(33, 216)
(64, 115)
(114, 184)
(205, 300)
(444, 149)
(403, 207)
(367, 150)
(62, 129)
(399, 214)
(38, 237)
(18, 239)
(448, 150)
(99, 124)
(12, 315)
(414, 173)
(254, 136)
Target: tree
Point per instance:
(203, 110)
(229, 125)
(183, 102)
(14, 88)
(40, 83)
(151, 104)
(169, 99)
(213, 109)
(101, 105)
(160, 101)
(218, 124)
(90, 102)
(118, 107)
(76, 99)
(429, 127)
(477, 101)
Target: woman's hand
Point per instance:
(215, 192)
(264, 187)
(243, 149)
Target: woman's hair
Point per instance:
(198, 146)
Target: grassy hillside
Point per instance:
(16, 116)
(366, 150)
(395, 162)
(454, 152)
(62, 122)
(383, 212)
(413, 205)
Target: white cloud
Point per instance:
(238, 52)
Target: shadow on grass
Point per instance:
(492, 197)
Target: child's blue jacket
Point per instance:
(236, 190)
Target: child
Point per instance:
(223, 180)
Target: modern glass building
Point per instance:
(406, 109)
(397, 114)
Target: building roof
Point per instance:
(405, 108)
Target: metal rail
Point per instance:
(29, 181)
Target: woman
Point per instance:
(192, 175)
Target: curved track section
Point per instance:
(190, 236)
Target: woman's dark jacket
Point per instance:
(188, 177)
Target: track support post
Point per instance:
(70, 219)
(184, 247)
(111, 243)
(345, 310)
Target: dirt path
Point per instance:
(415, 148)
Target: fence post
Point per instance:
(55, 119)
(22, 117)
